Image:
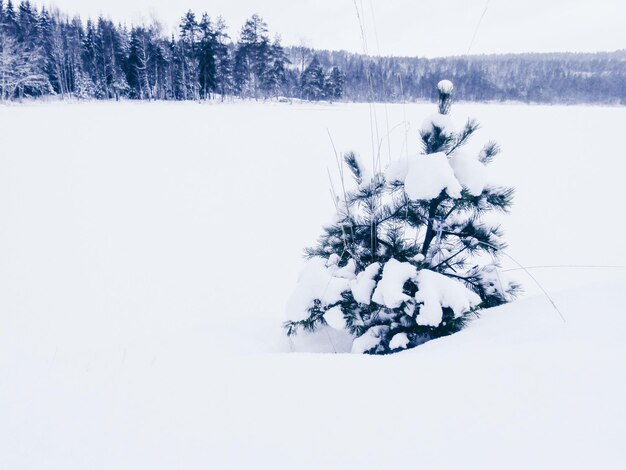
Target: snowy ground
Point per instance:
(147, 251)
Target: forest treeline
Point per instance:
(566, 78)
(45, 52)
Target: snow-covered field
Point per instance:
(147, 252)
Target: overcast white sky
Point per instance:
(404, 27)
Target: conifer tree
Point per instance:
(334, 84)
(27, 24)
(206, 51)
(312, 81)
(110, 54)
(275, 76)
(161, 66)
(10, 19)
(138, 63)
(251, 58)
(189, 60)
(78, 82)
(223, 65)
(404, 262)
(89, 51)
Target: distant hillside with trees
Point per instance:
(534, 78)
(47, 53)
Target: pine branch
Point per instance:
(489, 152)
(353, 164)
(462, 278)
(430, 231)
(451, 257)
(471, 126)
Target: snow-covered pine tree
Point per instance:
(334, 84)
(408, 258)
(312, 81)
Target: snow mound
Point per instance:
(348, 271)
(317, 281)
(470, 172)
(493, 281)
(397, 170)
(442, 121)
(368, 340)
(445, 86)
(399, 341)
(364, 284)
(334, 317)
(428, 175)
(389, 291)
(437, 291)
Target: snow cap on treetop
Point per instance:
(445, 86)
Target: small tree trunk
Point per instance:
(430, 231)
